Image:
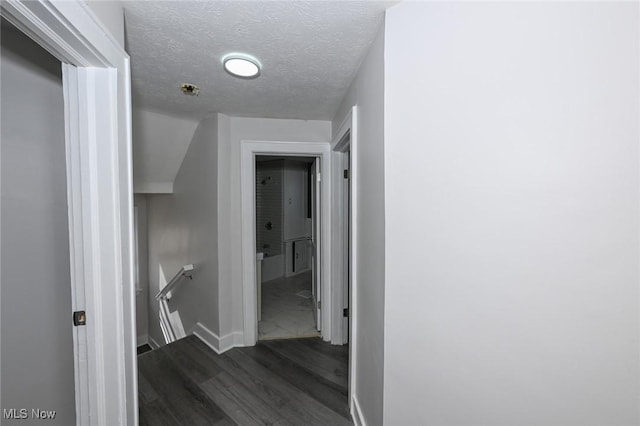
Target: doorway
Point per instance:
(321, 236)
(346, 242)
(286, 237)
(343, 224)
(345, 238)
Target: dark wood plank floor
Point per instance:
(277, 382)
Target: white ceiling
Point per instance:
(310, 52)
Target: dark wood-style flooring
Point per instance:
(277, 382)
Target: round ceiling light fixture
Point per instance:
(241, 65)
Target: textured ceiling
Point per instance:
(309, 50)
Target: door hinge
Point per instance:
(345, 312)
(79, 318)
(346, 174)
(319, 177)
(319, 304)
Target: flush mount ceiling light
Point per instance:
(241, 65)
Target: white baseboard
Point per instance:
(218, 344)
(356, 412)
(153, 343)
(142, 340)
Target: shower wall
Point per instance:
(270, 217)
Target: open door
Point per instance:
(346, 241)
(315, 241)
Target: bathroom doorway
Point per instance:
(286, 204)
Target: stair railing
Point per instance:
(163, 297)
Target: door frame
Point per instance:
(316, 232)
(346, 139)
(248, 151)
(97, 97)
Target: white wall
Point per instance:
(232, 130)
(183, 229)
(511, 185)
(142, 291)
(367, 91)
(37, 346)
(160, 143)
(111, 14)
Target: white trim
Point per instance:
(76, 252)
(356, 413)
(249, 149)
(97, 245)
(136, 251)
(99, 188)
(218, 344)
(340, 144)
(152, 342)
(153, 188)
(68, 30)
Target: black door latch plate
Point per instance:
(79, 318)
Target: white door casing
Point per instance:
(96, 84)
(249, 149)
(317, 241)
(346, 243)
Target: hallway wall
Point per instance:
(183, 229)
(160, 143)
(367, 91)
(232, 130)
(142, 287)
(512, 280)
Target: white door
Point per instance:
(315, 241)
(346, 288)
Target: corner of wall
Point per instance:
(111, 15)
(218, 344)
(183, 228)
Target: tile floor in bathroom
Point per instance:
(285, 314)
